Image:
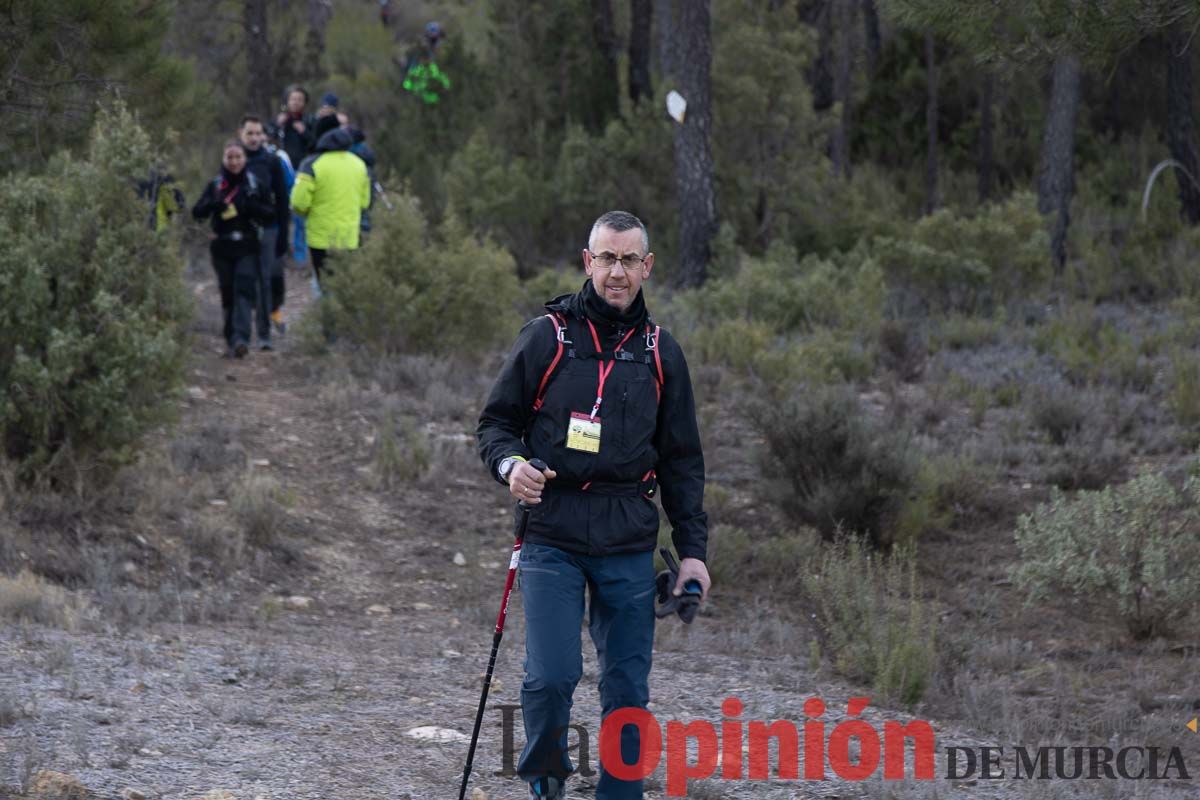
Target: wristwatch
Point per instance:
(506, 467)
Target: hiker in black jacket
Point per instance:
(238, 205)
(265, 164)
(603, 396)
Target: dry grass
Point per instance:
(29, 598)
(259, 507)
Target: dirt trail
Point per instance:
(319, 702)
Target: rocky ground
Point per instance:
(311, 671)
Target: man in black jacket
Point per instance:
(603, 396)
(268, 170)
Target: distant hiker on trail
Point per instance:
(163, 196)
(293, 133)
(332, 190)
(602, 395)
(327, 115)
(237, 204)
(271, 173)
(422, 75)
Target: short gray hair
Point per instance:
(620, 221)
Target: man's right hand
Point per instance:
(525, 482)
(282, 119)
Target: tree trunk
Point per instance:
(260, 83)
(839, 145)
(693, 150)
(1181, 128)
(933, 190)
(319, 12)
(664, 43)
(819, 14)
(987, 154)
(641, 17)
(607, 92)
(1056, 178)
(871, 37)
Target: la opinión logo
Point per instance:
(737, 749)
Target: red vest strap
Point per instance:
(559, 326)
(658, 370)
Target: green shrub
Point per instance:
(831, 467)
(1133, 548)
(902, 349)
(872, 622)
(545, 286)
(408, 291)
(1184, 395)
(92, 308)
(963, 263)
(960, 332)
(1092, 349)
(789, 294)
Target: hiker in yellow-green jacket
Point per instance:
(331, 192)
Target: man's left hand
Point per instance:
(689, 569)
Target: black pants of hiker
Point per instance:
(318, 259)
(237, 277)
(272, 271)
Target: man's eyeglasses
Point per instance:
(607, 261)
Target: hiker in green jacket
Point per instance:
(332, 190)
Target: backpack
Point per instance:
(163, 196)
(650, 358)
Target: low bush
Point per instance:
(259, 506)
(92, 310)
(962, 263)
(1092, 349)
(962, 332)
(873, 625)
(1133, 548)
(829, 466)
(401, 456)
(408, 291)
(30, 598)
(1183, 397)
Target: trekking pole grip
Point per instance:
(540, 466)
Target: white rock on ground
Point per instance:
(432, 733)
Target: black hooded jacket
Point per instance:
(268, 170)
(237, 229)
(597, 505)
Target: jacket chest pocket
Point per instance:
(638, 407)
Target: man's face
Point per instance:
(296, 102)
(234, 160)
(617, 284)
(252, 136)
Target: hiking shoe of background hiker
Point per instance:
(547, 788)
(240, 350)
(266, 347)
(277, 321)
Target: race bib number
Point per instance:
(583, 433)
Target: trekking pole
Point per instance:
(539, 465)
(383, 196)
